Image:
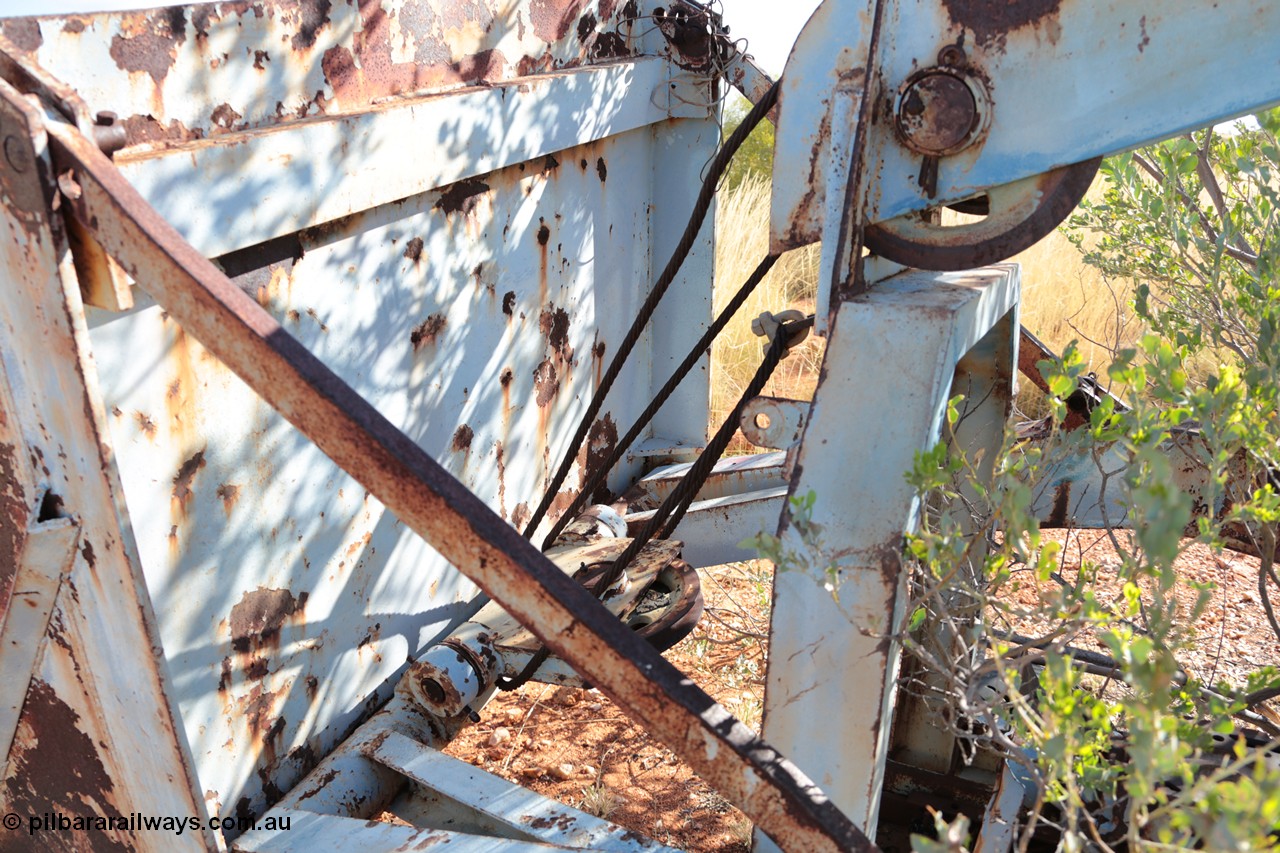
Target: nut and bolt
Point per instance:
(943, 109)
(17, 154)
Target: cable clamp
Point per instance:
(768, 324)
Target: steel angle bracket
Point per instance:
(780, 799)
(43, 560)
(819, 191)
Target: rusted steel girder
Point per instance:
(1031, 351)
(782, 802)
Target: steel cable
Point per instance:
(597, 477)
(700, 209)
(668, 515)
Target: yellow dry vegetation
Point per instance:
(1062, 300)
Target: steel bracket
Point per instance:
(45, 558)
(832, 637)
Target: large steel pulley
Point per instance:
(941, 111)
(1014, 217)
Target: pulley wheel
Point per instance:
(1018, 214)
(670, 608)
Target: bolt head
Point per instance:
(938, 113)
(16, 154)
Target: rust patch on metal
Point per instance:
(1061, 501)
(186, 474)
(597, 361)
(225, 117)
(504, 379)
(258, 707)
(72, 26)
(601, 440)
(586, 27)
(520, 515)
(224, 681)
(500, 460)
(146, 128)
(311, 312)
(244, 811)
(228, 493)
(427, 331)
(413, 249)
(990, 22)
(150, 41)
(145, 424)
(313, 16)
(13, 519)
(545, 383)
(485, 282)
(367, 69)
(552, 19)
(609, 46)
(508, 302)
(57, 767)
(258, 616)
(371, 636)
(601, 169)
(462, 439)
(461, 197)
(562, 821)
(562, 501)
(544, 233)
(554, 324)
(23, 33)
(529, 65)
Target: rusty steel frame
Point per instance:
(77, 737)
(770, 790)
(832, 639)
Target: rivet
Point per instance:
(15, 153)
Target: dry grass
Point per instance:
(1062, 300)
(1065, 300)
(742, 241)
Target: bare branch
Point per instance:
(1210, 181)
(1210, 232)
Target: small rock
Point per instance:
(515, 715)
(588, 770)
(533, 771)
(562, 771)
(500, 735)
(595, 706)
(565, 696)
(543, 744)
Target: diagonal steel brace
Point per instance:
(773, 793)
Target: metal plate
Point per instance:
(476, 316)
